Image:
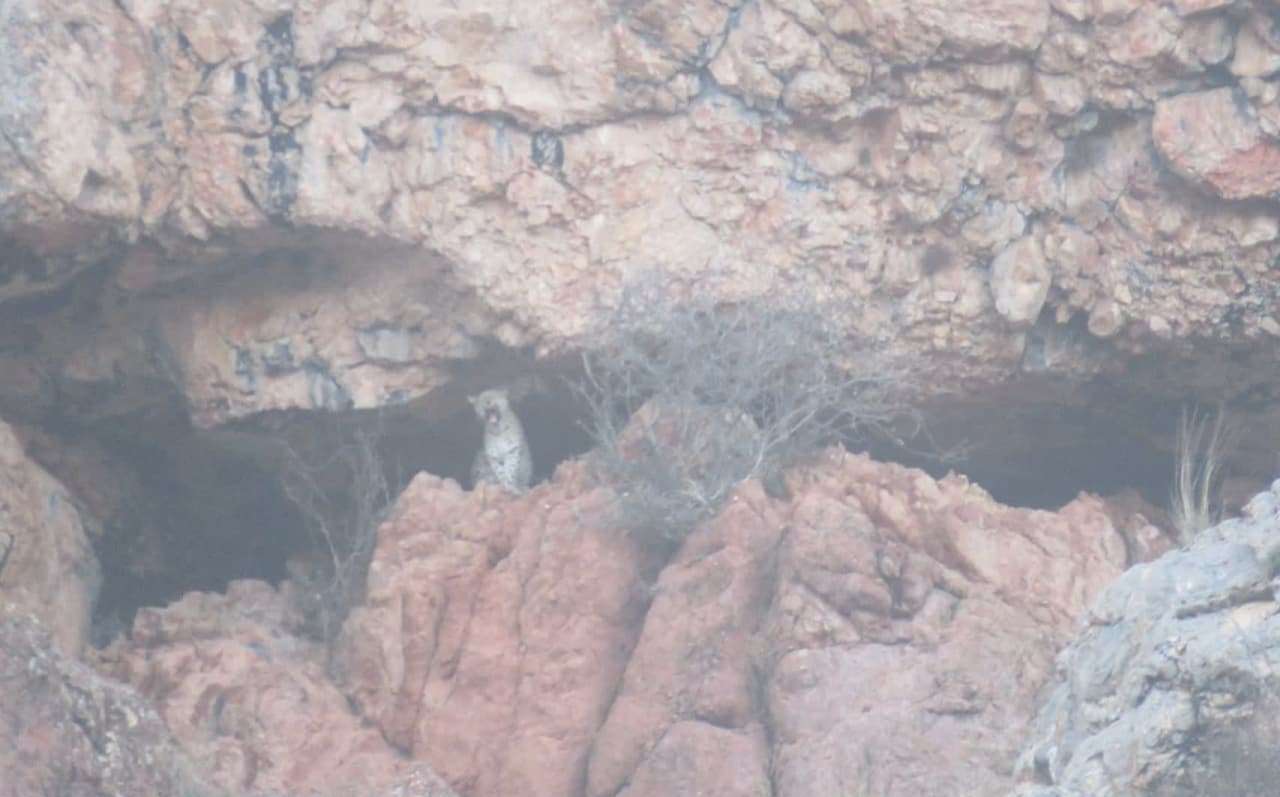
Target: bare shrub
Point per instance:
(343, 495)
(1202, 441)
(689, 397)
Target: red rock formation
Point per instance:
(495, 631)
(881, 628)
(67, 730)
(251, 702)
(1214, 137)
(883, 632)
(230, 209)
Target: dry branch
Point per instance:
(689, 397)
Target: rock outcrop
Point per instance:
(212, 216)
(47, 564)
(1174, 673)
(884, 632)
(877, 630)
(218, 219)
(68, 730)
(249, 699)
(495, 631)
(882, 629)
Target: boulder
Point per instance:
(1171, 684)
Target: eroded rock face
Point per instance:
(1175, 651)
(68, 730)
(234, 211)
(883, 632)
(1214, 137)
(495, 631)
(251, 702)
(953, 174)
(791, 648)
(689, 708)
(223, 210)
(47, 565)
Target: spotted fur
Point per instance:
(504, 457)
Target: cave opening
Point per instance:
(201, 508)
(211, 506)
(1041, 454)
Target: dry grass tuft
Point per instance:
(1203, 439)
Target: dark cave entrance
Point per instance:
(195, 515)
(200, 508)
(212, 507)
(446, 443)
(1042, 455)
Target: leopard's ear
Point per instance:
(472, 401)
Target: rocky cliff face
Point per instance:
(320, 205)
(1172, 684)
(68, 730)
(234, 229)
(879, 631)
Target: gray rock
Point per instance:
(1175, 654)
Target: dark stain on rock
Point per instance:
(547, 151)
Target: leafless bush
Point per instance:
(689, 397)
(343, 495)
(1202, 441)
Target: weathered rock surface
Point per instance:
(1176, 651)
(47, 565)
(67, 730)
(884, 632)
(320, 204)
(882, 628)
(495, 632)
(1214, 137)
(879, 630)
(251, 702)
(225, 213)
(219, 212)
